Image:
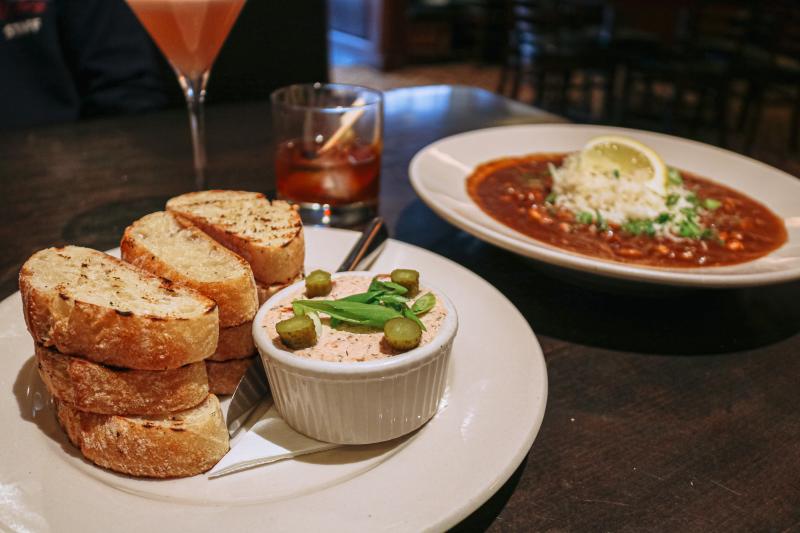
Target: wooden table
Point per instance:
(670, 410)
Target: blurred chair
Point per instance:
(774, 69)
(682, 83)
(554, 46)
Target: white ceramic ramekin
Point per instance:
(359, 402)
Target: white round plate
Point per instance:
(496, 395)
(439, 171)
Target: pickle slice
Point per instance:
(318, 283)
(407, 278)
(297, 332)
(402, 333)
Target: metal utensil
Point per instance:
(253, 385)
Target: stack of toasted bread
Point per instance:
(234, 247)
(133, 351)
(122, 351)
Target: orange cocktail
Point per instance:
(190, 34)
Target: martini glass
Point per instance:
(190, 34)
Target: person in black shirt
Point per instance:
(61, 60)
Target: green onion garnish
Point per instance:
(674, 177)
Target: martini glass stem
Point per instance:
(195, 92)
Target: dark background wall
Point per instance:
(271, 45)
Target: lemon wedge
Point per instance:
(627, 159)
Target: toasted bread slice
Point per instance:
(224, 376)
(85, 302)
(101, 389)
(180, 444)
(235, 343)
(186, 255)
(269, 235)
(266, 291)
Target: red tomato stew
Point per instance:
(515, 191)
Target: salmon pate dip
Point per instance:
(340, 341)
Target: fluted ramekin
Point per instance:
(357, 402)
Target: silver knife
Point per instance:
(253, 385)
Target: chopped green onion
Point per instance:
(711, 204)
(584, 217)
(616, 173)
(639, 227)
(689, 212)
(674, 177)
(708, 233)
(387, 286)
(690, 229)
(672, 199)
(373, 315)
(601, 223)
(423, 304)
(409, 314)
(392, 299)
(364, 297)
(383, 301)
(692, 199)
(630, 227)
(551, 198)
(663, 218)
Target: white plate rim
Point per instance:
(533, 249)
(449, 512)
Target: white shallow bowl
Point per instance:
(359, 402)
(439, 172)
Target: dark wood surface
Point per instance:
(667, 410)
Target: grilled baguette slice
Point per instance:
(224, 376)
(101, 389)
(235, 343)
(85, 302)
(186, 255)
(180, 444)
(269, 235)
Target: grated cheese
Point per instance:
(620, 199)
